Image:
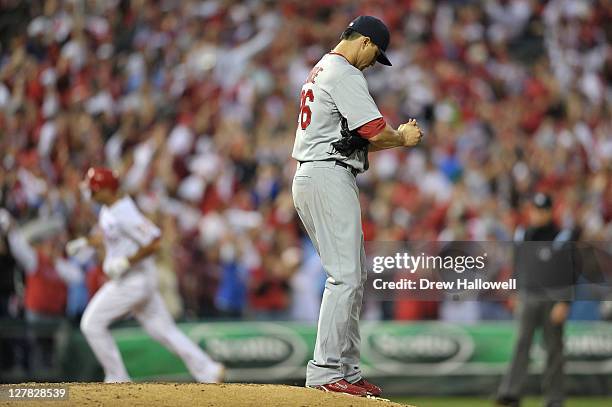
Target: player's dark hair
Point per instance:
(350, 35)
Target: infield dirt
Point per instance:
(205, 395)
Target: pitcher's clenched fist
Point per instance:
(411, 133)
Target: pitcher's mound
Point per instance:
(205, 395)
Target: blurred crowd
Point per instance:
(194, 104)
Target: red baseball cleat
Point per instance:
(372, 389)
(342, 386)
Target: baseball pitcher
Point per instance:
(338, 124)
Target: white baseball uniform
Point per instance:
(125, 230)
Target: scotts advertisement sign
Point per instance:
(255, 352)
(260, 352)
(586, 351)
(417, 348)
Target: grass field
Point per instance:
(483, 402)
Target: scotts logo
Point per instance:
(592, 346)
(419, 348)
(583, 348)
(423, 349)
(256, 350)
(264, 351)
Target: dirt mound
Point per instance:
(230, 395)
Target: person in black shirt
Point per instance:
(545, 277)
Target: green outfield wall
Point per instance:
(408, 358)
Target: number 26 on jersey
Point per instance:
(305, 113)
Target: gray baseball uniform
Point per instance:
(326, 198)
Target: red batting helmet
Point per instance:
(98, 178)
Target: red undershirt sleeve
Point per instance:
(372, 128)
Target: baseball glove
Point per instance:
(350, 141)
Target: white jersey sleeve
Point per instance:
(354, 102)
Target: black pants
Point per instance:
(533, 314)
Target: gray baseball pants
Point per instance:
(326, 198)
(533, 313)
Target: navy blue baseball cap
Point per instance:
(378, 32)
